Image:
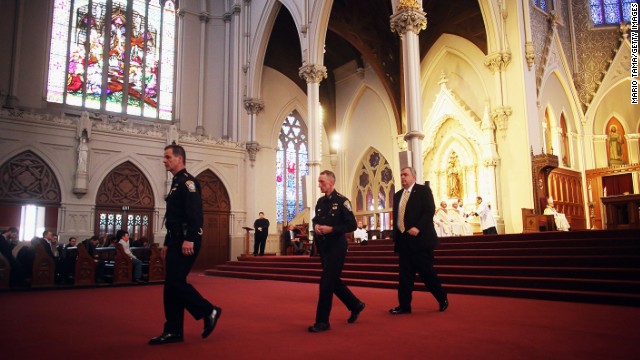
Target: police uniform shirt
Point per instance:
(335, 210)
(184, 207)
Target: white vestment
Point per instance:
(562, 223)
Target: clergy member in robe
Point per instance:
(562, 223)
(441, 220)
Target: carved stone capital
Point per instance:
(236, 9)
(181, 12)
(498, 61)
(313, 73)
(500, 116)
(407, 19)
(490, 162)
(412, 135)
(252, 148)
(529, 54)
(226, 17)
(253, 106)
(204, 18)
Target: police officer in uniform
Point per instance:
(332, 220)
(181, 246)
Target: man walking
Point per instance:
(181, 246)
(415, 238)
(333, 219)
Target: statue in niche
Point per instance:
(454, 185)
(83, 153)
(615, 142)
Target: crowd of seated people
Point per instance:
(21, 255)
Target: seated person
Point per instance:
(123, 239)
(441, 220)
(290, 239)
(562, 223)
(360, 235)
(7, 238)
(460, 226)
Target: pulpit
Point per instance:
(622, 211)
(247, 250)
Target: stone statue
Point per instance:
(83, 153)
(615, 146)
(454, 185)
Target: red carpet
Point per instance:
(268, 320)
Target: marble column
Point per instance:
(407, 21)
(313, 74)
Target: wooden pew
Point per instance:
(5, 272)
(123, 268)
(156, 264)
(44, 268)
(85, 271)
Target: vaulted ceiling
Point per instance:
(359, 31)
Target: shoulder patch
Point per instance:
(191, 185)
(347, 204)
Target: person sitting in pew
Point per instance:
(122, 236)
(17, 277)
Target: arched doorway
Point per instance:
(217, 210)
(125, 201)
(26, 180)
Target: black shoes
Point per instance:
(166, 338)
(444, 305)
(210, 322)
(319, 327)
(398, 310)
(355, 313)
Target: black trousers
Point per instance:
(258, 245)
(490, 231)
(180, 295)
(332, 254)
(421, 262)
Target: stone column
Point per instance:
(253, 107)
(313, 74)
(407, 21)
(204, 19)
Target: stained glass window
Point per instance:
(543, 4)
(114, 55)
(611, 12)
(374, 189)
(291, 166)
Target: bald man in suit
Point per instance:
(415, 238)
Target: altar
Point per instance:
(621, 211)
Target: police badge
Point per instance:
(191, 185)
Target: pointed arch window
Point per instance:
(291, 166)
(610, 12)
(114, 55)
(374, 189)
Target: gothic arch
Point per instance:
(125, 200)
(373, 189)
(292, 106)
(125, 185)
(27, 177)
(216, 207)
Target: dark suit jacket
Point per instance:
(287, 235)
(418, 213)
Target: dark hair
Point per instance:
(120, 234)
(13, 229)
(260, 213)
(178, 150)
(329, 174)
(95, 238)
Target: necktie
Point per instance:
(403, 205)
